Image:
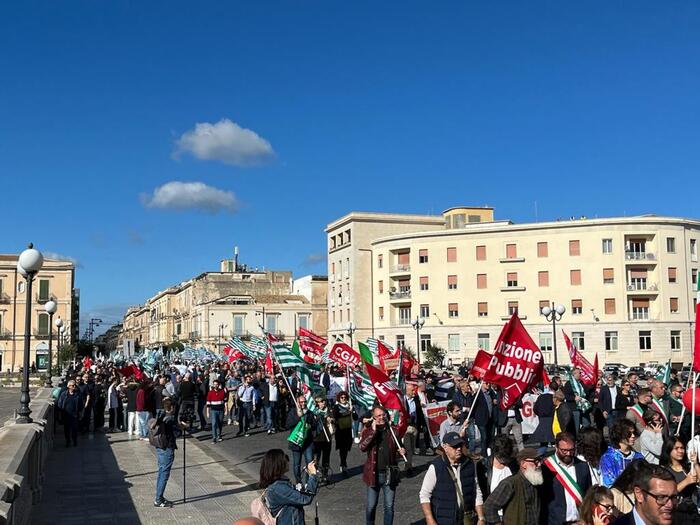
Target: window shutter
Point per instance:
(451, 254)
(610, 306)
(543, 278)
(575, 277)
(481, 253)
(481, 280)
(511, 251)
(574, 248)
(542, 249)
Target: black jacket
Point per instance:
(483, 413)
(605, 399)
(625, 519)
(501, 416)
(484, 473)
(552, 496)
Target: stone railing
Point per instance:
(23, 452)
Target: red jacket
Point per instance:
(215, 399)
(368, 444)
(141, 400)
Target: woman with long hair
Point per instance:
(343, 415)
(285, 503)
(597, 507)
(591, 446)
(674, 458)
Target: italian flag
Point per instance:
(366, 353)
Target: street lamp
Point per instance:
(29, 263)
(351, 330)
(50, 308)
(417, 324)
(554, 314)
(222, 326)
(59, 329)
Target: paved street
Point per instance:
(342, 501)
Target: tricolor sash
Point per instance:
(637, 411)
(568, 482)
(660, 409)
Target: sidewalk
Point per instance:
(110, 478)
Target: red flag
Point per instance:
(517, 362)
(131, 370)
(310, 342)
(268, 361)
(696, 344)
(389, 395)
(589, 373)
(408, 364)
(343, 354)
(87, 362)
(385, 351)
(480, 364)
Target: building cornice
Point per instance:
(387, 218)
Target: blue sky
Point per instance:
(587, 109)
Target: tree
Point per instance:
(434, 356)
(66, 354)
(176, 346)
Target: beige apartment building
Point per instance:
(55, 281)
(214, 306)
(628, 283)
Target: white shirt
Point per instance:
(613, 395)
(637, 518)
(498, 475)
(571, 509)
(273, 393)
(430, 479)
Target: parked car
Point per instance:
(636, 370)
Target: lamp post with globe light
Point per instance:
(50, 308)
(351, 330)
(554, 314)
(28, 265)
(63, 343)
(59, 331)
(417, 324)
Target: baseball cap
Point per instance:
(453, 439)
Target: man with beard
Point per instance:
(517, 496)
(636, 412)
(655, 498)
(566, 481)
(449, 493)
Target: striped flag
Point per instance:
(365, 353)
(287, 358)
(258, 345)
(664, 374)
(361, 394)
(237, 344)
(445, 389)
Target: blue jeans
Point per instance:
(373, 499)
(471, 437)
(308, 453)
(143, 423)
(165, 456)
(217, 423)
(485, 440)
(270, 415)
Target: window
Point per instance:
(574, 248)
(608, 275)
(542, 249)
(405, 285)
(381, 313)
(482, 341)
(333, 269)
(453, 342)
(638, 279)
(645, 340)
(671, 244)
(512, 279)
(271, 322)
(694, 276)
(453, 310)
(542, 305)
(424, 342)
(546, 342)
(610, 306)
(512, 307)
(607, 246)
(404, 260)
(693, 250)
(481, 253)
(43, 290)
(483, 309)
(481, 280)
(340, 313)
(380, 286)
(400, 342)
(422, 256)
(578, 340)
(423, 283)
(674, 305)
(380, 261)
(675, 340)
(304, 320)
(576, 306)
(425, 311)
(178, 329)
(672, 275)
(43, 324)
(348, 236)
(511, 251)
(451, 282)
(340, 270)
(451, 254)
(611, 341)
(543, 278)
(238, 324)
(640, 309)
(404, 315)
(347, 268)
(575, 276)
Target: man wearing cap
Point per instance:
(450, 493)
(515, 501)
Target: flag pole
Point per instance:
(687, 384)
(692, 417)
(284, 376)
(347, 373)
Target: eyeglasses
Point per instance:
(567, 450)
(662, 499)
(610, 509)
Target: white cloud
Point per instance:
(227, 142)
(60, 257)
(181, 196)
(314, 259)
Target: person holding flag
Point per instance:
(576, 399)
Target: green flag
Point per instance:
(366, 353)
(664, 374)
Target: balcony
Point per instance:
(513, 289)
(641, 314)
(508, 316)
(403, 321)
(640, 257)
(4, 298)
(40, 334)
(400, 296)
(642, 287)
(193, 335)
(400, 269)
(512, 259)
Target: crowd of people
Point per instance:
(620, 449)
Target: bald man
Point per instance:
(248, 521)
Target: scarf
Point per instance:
(582, 404)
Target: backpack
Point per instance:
(156, 433)
(260, 510)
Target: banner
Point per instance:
(589, 372)
(530, 420)
(310, 342)
(517, 362)
(436, 413)
(389, 395)
(481, 364)
(343, 354)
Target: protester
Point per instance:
(141, 410)
(215, 410)
(246, 397)
(322, 430)
(652, 439)
(187, 398)
(655, 498)
(452, 423)
(343, 415)
(483, 415)
(304, 448)
(285, 502)
(597, 507)
(516, 501)
(620, 453)
(685, 470)
(423, 437)
(498, 466)
(566, 480)
(72, 405)
(624, 400)
(165, 451)
(635, 413)
(380, 472)
(607, 399)
(590, 448)
(450, 493)
(510, 421)
(113, 404)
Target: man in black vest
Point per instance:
(566, 481)
(449, 492)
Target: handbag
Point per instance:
(392, 475)
(299, 433)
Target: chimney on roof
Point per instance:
(235, 258)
